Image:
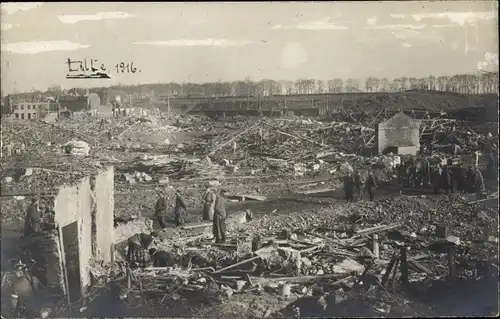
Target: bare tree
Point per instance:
(368, 84)
(375, 84)
(289, 87)
(422, 84)
(431, 82)
(384, 84)
(331, 86)
(413, 83)
(339, 85)
(441, 82)
(352, 85)
(320, 86)
(404, 83)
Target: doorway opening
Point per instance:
(72, 258)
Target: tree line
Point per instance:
(460, 83)
(486, 82)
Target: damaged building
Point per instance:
(398, 135)
(78, 199)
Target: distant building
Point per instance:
(33, 110)
(74, 103)
(399, 135)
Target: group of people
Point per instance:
(448, 178)
(353, 183)
(214, 209)
(116, 109)
(463, 180)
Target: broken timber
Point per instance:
(236, 265)
(376, 229)
(297, 279)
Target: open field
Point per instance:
(367, 102)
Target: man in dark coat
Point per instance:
(412, 171)
(371, 185)
(358, 182)
(180, 209)
(220, 215)
(425, 171)
(470, 178)
(161, 210)
(459, 177)
(401, 169)
(32, 222)
(138, 245)
(445, 180)
(349, 187)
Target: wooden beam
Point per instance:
(376, 229)
(237, 264)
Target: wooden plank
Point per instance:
(317, 191)
(376, 229)
(421, 267)
(197, 225)
(477, 201)
(297, 279)
(237, 264)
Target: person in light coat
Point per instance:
(209, 204)
(220, 215)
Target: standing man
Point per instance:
(371, 185)
(220, 215)
(446, 182)
(470, 179)
(26, 294)
(32, 222)
(349, 187)
(460, 178)
(490, 168)
(479, 184)
(358, 182)
(180, 208)
(209, 204)
(138, 246)
(401, 174)
(425, 171)
(161, 209)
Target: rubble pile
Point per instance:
(335, 252)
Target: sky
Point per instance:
(208, 42)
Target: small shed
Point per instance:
(399, 135)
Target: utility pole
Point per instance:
(168, 107)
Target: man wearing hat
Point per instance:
(161, 210)
(180, 208)
(209, 204)
(219, 225)
(371, 185)
(26, 293)
(32, 222)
